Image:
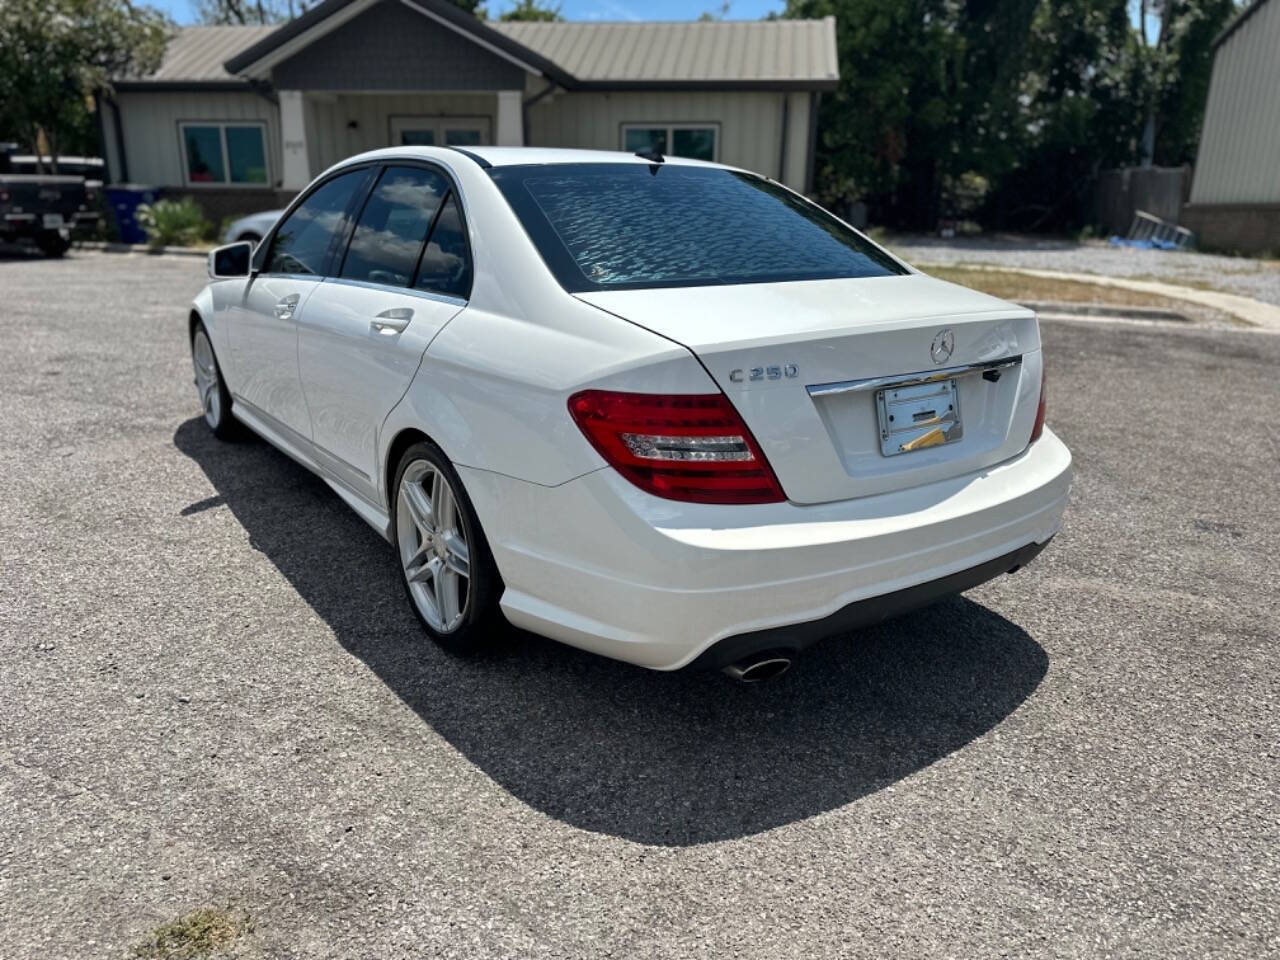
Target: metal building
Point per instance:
(1235, 193)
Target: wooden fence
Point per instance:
(1119, 194)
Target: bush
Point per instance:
(174, 222)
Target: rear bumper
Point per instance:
(861, 613)
(31, 224)
(599, 564)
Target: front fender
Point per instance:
(209, 306)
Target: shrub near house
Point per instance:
(174, 223)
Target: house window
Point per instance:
(221, 153)
(698, 141)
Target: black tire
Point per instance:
(216, 405)
(249, 237)
(481, 620)
(52, 243)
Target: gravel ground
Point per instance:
(1259, 279)
(214, 693)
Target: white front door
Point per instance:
(263, 328)
(264, 344)
(440, 131)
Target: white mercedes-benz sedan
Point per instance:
(663, 410)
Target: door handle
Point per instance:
(393, 321)
(286, 306)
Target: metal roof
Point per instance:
(740, 54)
(197, 54)
(1237, 22)
(331, 14)
(720, 51)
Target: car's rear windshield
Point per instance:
(625, 226)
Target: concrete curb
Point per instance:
(1104, 310)
(105, 247)
(1255, 313)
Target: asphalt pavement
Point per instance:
(213, 693)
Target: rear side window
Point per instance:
(631, 226)
(446, 261)
(394, 223)
(301, 243)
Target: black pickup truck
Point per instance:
(44, 210)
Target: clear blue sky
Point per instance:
(182, 10)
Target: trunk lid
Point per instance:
(785, 354)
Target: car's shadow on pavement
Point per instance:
(669, 759)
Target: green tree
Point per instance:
(532, 10)
(1079, 111)
(242, 12)
(55, 53)
(1005, 107)
(1100, 92)
(889, 133)
(1179, 67)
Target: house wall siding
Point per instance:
(110, 143)
(796, 166)
(750, 124)
(150, 123)
(391, 47)
(331, 136)
(1239, 157)
(342, 124)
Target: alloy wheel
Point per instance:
(206, 378)
(433, 546)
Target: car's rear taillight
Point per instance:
(1038, 429)
(691, 447)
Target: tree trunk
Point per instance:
(36, 148)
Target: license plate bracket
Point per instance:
(52, 221)
(919, 416)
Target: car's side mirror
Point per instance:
(231, 261)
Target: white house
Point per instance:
(243, 117)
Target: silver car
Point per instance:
(251, 228)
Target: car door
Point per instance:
(405, 273)
(263, 329)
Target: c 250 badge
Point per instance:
(753, 374)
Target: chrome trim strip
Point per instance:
(388, 288)
(309, 277)
(909, 379)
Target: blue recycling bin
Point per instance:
(125, 198)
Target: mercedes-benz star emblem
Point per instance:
(943, 344)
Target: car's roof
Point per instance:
(516, 156)
(513, 156)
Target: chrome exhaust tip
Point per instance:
(759, 668)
